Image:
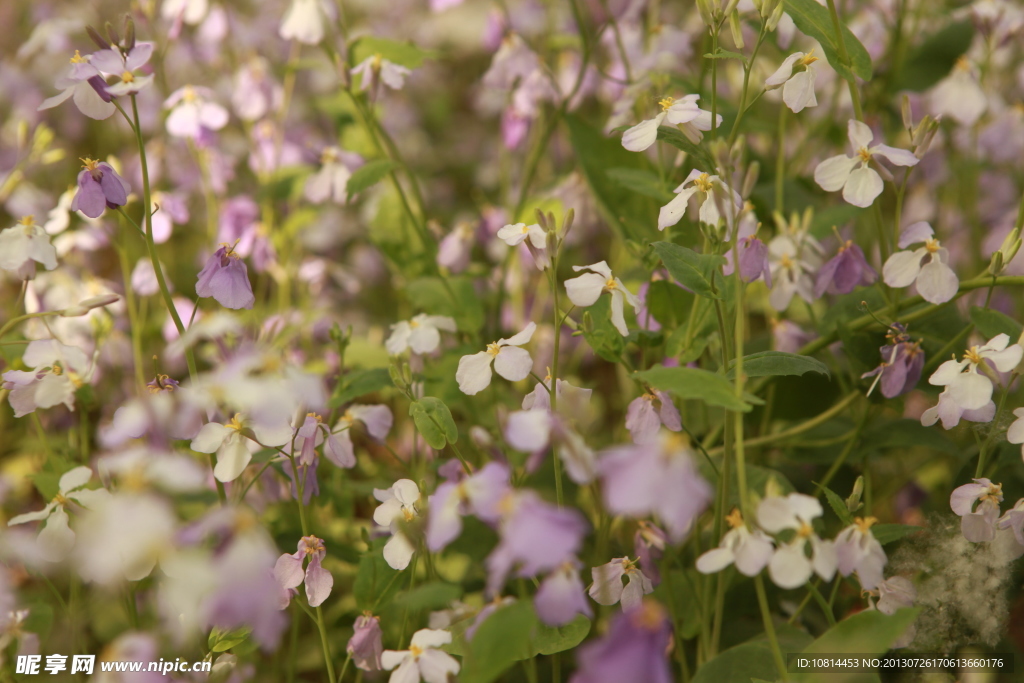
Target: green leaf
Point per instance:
(675, 137)
(907, 433)
(547, 640)
(47, 483)
(502, 640)
(771, 363)
(435, 595)
(933, 59)
(836, 215)
(434, 421)
(866, 633)
(455, 297)
(368, 175)
(360, 383)
(640, 180)
(376, 582)
(815, 21)
(601, 335)
(990, 323)
(710, 387)
(403, 54)
(750, 660)
(888, 533)
(39, 620)
(222, 641)
(690, 269)
(838, 506)
(683, 588)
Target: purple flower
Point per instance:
(644, 422)
(123, 65)
(99, 188)
(88, 88)
(536, 536)
(902, 362)
(649, 545)
(366, 644)
(561, 596)
(844, 271)
(754, 260)
(192, 115)
(633, 649)
(478, 494)
(288, 570)
(226, 279)
(661, 479)
(857, 550)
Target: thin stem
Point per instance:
(769, 627)
(983, 453)
(748, 66)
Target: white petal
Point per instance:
(863, 185)
(32, 516)
(715, 560)
(947, 373)
(833, 173)
(210, 437)
(430, 638)
(914, 233)
(971, 390)
(520, 338)
(798, 92)
(753, 554)
(902, 268)
(618, 320)
(528, 430)
(937, 283)
(389, 659)
(513, 363)
(783, 73)
(789, 568)
(859, 133)
(74, 479)
(56, 539)
(474, 373)
(672, 212)
(1005, 360)
(406, 492)
(900, 157)
(437, 666)
(584, 290)
(398, 551)
(232, 457)
(642, 135)
(774, 515)
(824, 558)
(387, 512)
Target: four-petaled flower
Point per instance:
(790, 566)
(797, 72)
(510, 361)
(514, 234)
(87, 87)
(857, 550)
(684, 112)
(861, 185)
(749, 550)
(375, 69)
(289, 574)
(712, 189)
(192, 114)
(226, 279)
(25, 244)
(967, 388)
(99, 188)
(422, 661)
(123, 65)
(422, 334)
(936, 281)
(607, 588)
(584, 291)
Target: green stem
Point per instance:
(748, 66)
(769, 627)
(983, 453)
(14, 321)
(780, 162)
(844, 58)
(825, 607)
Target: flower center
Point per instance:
(610, 284)
(408, 513)
(493, 348)
(735, 519)
(972, 355)
(864, 154)
(188, 95)
(57, 368)
(28, 221)
(328, 156)
(59, 499)
(128, 77)
(703, 183)
(415, 651)
(994, 494)
(89, 164)
(666, 102)
(160, 383)
(786, 262)
(315, 416)
(78, 58)
(807, 59)
(236, 423)
(805, 530)
(932, 245)
(865, 523)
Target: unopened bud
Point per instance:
(83, 307)
(129, 32)
(570, 216)
(853, 502)
(775, 18)
(908, 115)
(97, 38)
(706, 14)
(112, 34)
(542, 220)
(736, 29)
(396, 376)
(772, 488)
(731, 6)
(750, 179)
(1007, 251)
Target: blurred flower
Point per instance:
(510, 361)
(1015, 434)
(936, 281)
(422, 660)
(86, 86)
(560, 596)
(331, 181)
(798, 91)
(24, 244)
(644, 422)
(634, 648)
(56, 539)
(607, 588)
(57, 371)
(584, 291)
(649, 545)
(844, 271)
(902, 362)
(750, 550)
(226, 279)
(857, 550)
(512, 62)
(169, 208)
(192, 113)
(684, 113)
(123, 536)
(366, 644)
(861, 186)
(191, 12)
(959, 96)
(398, 503)
(514, 235)
(793, 256)
(255, 93)
(977, 524)
(288, 570)
(789, 566)
(230, 445)
(478, 494)
(304, 21)
(422, 334)
(375, 70)
(99, 188)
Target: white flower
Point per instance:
(304, 22)
(967, 388)
(1015, 434)
(709, 186)
(75, 83)
(857, 550)
(959, 96)
(790, 566)
(398, 503)
(514, 235)
(798, 91)
(750, 551)
(584, 290)
(510, 361)
(978, 525)
(951, 413)
(422, 334)
(231, 446)
(422, 661)
(191, 112)
(331, 181)
(24, 243)
(792, 257)
(862, 185)
(56, 539)
(684, 113)
(123, 537)
(936, 281)
(190, 12)
(377, 69)
(57, 370)
(607, 588)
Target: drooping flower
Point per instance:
(56, 539)
(584, 291)
(422, 661)
(331, 181)
(422, 334)
(857, 550)
(193, 113)
(561, 596)
(951, 412)
(977, 505)
(25, 244)
(796, 78)
(655, 479)
(936, 281)
(644, 422)
(398, 504)
(86, 86)
(607, 588)
(902, 362)
(634, 649)
(288, 570)
(375, 70)
(123, 65)
(861, 185)
(226, 279)
(749, 550)
(790, 567)
(969, 389)
(844, 271)
(477, 494)
(366, 643)
(510, 361)
(713, 190)
(99, 188)
(683, 112)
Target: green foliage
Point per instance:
(690, 269)
(222, 641)
(675, 137)
(838, 506)
(458, 300)
(889, 533)
(434, 422)
(376, 582)
(368, 175)
(750, 660)
(710, 387)
(815, 21)
(772, 363)
(907, 433)
(935, 57)
(991, 323)
(868, 633)
(434, 595)
(604, 339)
(403, 54)
(640, 180)
(360, 383)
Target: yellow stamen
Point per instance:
(610, 284)
(972, 355)
(128, 77)
(932, 245)
(493, 348)
(805, 530)
(408, 514)
(57, 369)
(666, 102)
(315, 416)
(236, 423)
(28, 221)
(329, 156)
(864, 154)
(78, 58)
(415, 651)
(59, 499)
(188, 95)
(865, 523)
(703, 183)
(735, 519)
(807, 59)
(89, 164)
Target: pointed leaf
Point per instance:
(690, 269)
(815, 21)
(771, 363)
(710, 387)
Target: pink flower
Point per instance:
(288, 570)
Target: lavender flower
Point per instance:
(978, 524)
(847, 269)
(123, 65)
(192, 114)
(99, 188)
(366, 644)
(607, 588)
(288, 570)
(226, 279)
(86, 86)
(634, 649)
(644, 422)
(901, 366)
(561, 596)
(857, 550)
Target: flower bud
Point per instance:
(908, 115)
(706, 14)
(83, 307)
(736, 29)
(775, 18)
(1007, 251)
(853, 502)
(750, 179)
